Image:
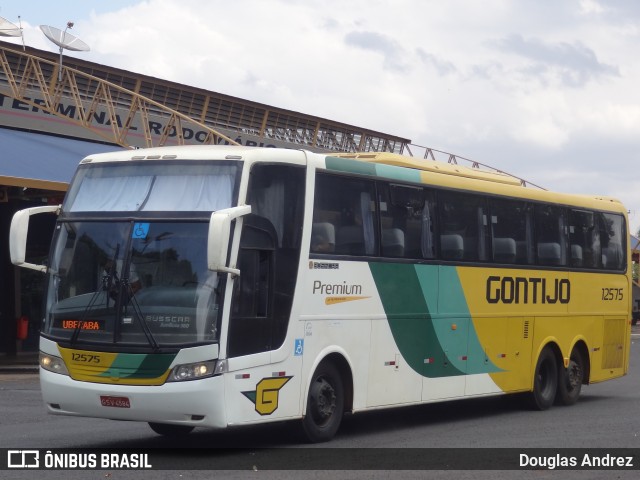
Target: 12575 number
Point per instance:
(85, 358)
(611, 294)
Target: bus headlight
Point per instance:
(53, 364)
(192, 371)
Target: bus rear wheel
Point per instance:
(570, 379)
(545, 382)
(170, 430)
(325, 404)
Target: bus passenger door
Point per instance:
(249, 342)
(264, 378)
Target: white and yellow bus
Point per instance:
(222, 286)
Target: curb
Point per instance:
(19, 369)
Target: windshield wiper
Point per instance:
(107, 283)
(107, 280)
(138, 314)
(83, 318)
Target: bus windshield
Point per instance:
(148, 186)
(136, 283)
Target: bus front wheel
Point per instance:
(325, 404)
(570, 379)
(545, 382)
(170, 430)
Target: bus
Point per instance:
(220, 286)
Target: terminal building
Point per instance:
(53, 114)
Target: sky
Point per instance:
(546, 90)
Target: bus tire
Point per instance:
(545, 381)
(325, 404)
(170, 430)
(570, 379)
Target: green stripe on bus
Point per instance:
(130, 365)
(410, 320)
(453, 303)
(350, 166)
(398, 173)
(373, 169)
(431, 347)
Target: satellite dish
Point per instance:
(8, 29)
(63, 39)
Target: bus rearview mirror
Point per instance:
(219, 235)
(18, 235)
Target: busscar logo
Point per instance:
(323, 265)
(23, 459)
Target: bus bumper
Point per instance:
(198, 403)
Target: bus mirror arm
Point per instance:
(218, 240)
(18, 235)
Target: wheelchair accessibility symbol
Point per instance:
(140, 230)
(299, 347)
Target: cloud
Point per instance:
(391, 51)
(588, 7)
(574, 64)
(443, 67)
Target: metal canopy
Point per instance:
(31, 159)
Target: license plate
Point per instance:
(117, 402)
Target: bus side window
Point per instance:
(401, 215)
(463, 216)
(584, 242)
(612, 240)
(428, 226)
(511, 240)
(551, 242)
(348, 205)
(407, 218)
(323, 237)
